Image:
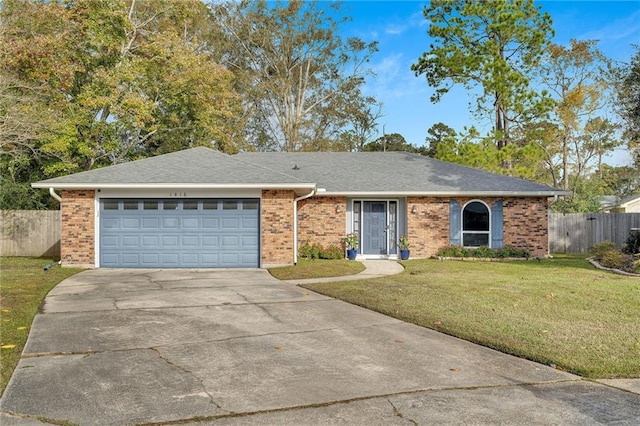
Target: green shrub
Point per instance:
(511, 251)
(452, 251)
(332, 253)
(484, 252)
(632, 245)
(310, 251)
(601, 249)
(613, 259)
(316, 251)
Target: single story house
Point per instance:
(202, 208)
(628, 205)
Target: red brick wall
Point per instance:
(277, 227)
(525, 223)
(322, 220)
(427, 225)
(77, 243)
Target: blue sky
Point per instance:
(401, 30)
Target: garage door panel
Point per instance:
(210, 259)
(169, 259)
(230, 223)
(190, 223)
(151, 223)
(109, 241)
(210, 223)
(229, 241)
(130, 223)
(170, 241)
(249, 223)
(249, 241)
(150, 241)
(110, 223)
(130, 241)
(210, 241)
(150, 259)
(190, 241)
(130, 259)
(190, 259)
(193, 233)
(170, 223)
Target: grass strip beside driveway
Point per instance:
(319, 268)
(560, 311)
(24, 286)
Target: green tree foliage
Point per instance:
(301, 82)
(493, 45)
(437, 134)
(97, 82)
(578, 77)
(629, 102)
(393, 142)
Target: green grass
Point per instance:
(24, 285)
(559, 311)
(317, 269)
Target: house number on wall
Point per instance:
(177, 194)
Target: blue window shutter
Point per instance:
(496, 225)
(455, 223)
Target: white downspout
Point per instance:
(295, 222)
(54, 195)
(555, 200)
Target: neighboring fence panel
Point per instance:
(576, 232)
(30, 233)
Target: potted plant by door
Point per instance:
(403, 246)
(351, 244)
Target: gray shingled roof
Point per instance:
(336, 172)
(196, 167)
(392, 172)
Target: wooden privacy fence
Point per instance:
(576, 232)
(30, 233)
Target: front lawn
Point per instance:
(560, 311)
(24, 285)
(317, 268)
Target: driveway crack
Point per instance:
(192, 374)
(398, 413)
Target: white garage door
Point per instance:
(179, 233)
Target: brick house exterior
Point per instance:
(257, 209)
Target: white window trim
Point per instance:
(462, 231)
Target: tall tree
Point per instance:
(301, 82)
(437, 134)
(629, 101)
(121, 79)
(494, 45)
(578, 77)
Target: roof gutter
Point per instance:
(46, 184)
(52, 192)
(295, 220)
(549, 193)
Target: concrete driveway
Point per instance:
(239, 347)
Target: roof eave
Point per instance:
(446, 193)
(59, 186)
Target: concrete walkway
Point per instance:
(373, 269)
(236, 347)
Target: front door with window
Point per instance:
(374, 238)
(378, 233)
